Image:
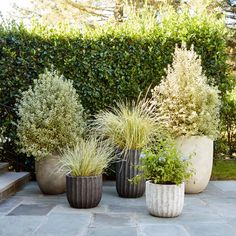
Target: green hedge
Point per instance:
(107, 63)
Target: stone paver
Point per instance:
(210, 229)
(115, 231)
(31, 209)
(108, 219)
(29, 213)
(163, 230)
(64, 225)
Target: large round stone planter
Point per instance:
(164, 200)
(200, 150)
(49, 178)
(126, 169)
(84, 192)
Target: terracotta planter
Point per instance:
(164, 200)
(200, 148)
(84, 192)
(49, 179)
(126, 168)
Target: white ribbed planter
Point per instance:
(164, 200)
(201, 150)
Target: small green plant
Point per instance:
(50, 116)
(163, 164)
(88, 158)
(130, 125)
(185, 103)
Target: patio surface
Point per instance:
(211, 213)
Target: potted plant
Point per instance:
(50, 119)
(129, 126)
(189, 108)
(165, 170)
(84, 165)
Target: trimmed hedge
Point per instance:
(106, 64)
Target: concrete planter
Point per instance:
(84, 192)
(164, 200)
(49, 179)
(126, 168)
(201, 150)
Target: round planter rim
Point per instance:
(150, 182)
(85, 177)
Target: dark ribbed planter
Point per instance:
(126, 168)
(84, 192)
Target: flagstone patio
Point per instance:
(211, 213)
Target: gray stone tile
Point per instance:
(102, 220)
(196, 205)
(109, 183)
(32, 209)
(127, 209)
(232, 221)
(30, 189)
(64, 225)
(224, 209)
(184, 217)
(8, 204)
(111, 197)
(66, 209)
(163, 230)
(19, 225)
(225, 185)
(210, 229)
(112, 231)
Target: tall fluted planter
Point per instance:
(84, 192)
(49, 178)
(164, 200)
(200, 150)
(126, 169)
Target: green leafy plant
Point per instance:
(106, 64)
(163, 164)
(130, 125)
(50, 116)
(88, 158)
(185, 103)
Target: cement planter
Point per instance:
(49, 179)
(126, 168)
(200, 148)
(164, 200)
(84, 192)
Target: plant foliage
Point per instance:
(185, 103)
(106, 64)
(130, 125)
(88, 158)
(163, 164)
(50, 116)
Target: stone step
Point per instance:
(3, 167)
(11, 182)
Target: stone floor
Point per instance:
(211, 213)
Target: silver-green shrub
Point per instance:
(185, 103)
(50, 116)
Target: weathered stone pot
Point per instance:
(49, 178)
(126, 169)
(200, 150)
(84, 192)
(164, 200)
